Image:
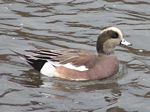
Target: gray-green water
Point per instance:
(57, 24)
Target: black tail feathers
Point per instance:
(34, 62)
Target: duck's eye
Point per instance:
(114, 35)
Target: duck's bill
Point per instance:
(124, 42)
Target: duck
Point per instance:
(78, 64)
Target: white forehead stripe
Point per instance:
(114, 29)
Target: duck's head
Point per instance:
(109, 39)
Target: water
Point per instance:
(54, 24)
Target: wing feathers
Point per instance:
(73, 59)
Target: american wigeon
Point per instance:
(78, 64)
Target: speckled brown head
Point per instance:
(109, 39)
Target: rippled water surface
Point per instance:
(57, 24)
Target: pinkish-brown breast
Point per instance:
(103, 68)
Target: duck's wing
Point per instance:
(75, 57)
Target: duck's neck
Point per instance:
(101, 51)
(105, 54)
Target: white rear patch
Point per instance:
(48, 69)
